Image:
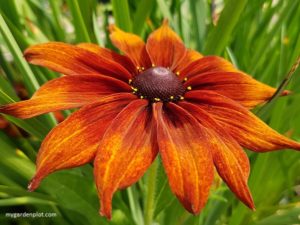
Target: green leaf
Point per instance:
(82, 34)
(282, 217)
(25, 200)
(55, 4)
(198, 10)
(122, 14)
(219, 36)
(29, 79)
(164, 9)
(143, 11)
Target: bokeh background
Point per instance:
(261, 37)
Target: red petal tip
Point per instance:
(34, 183)
(195, 211)
(105, 214)
(27, 54)
(250, 203)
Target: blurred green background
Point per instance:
(261, 37)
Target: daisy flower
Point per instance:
(157, 98)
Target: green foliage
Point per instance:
(261, 37)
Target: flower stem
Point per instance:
(150, 198)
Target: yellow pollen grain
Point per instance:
(181, 98)
(134, 89)
(130, 81)
(143, 68)
(185, 79)
(141, 97)
(157, 99)
(189, 88)
(172, 97)
(177, 73)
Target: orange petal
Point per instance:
(132, 45)
(126, 151)
(74, 141)
(205, 65)
(184, 146)
(235, 85)
(111, 55)
(190, 57)
(71, 60)
(65, 93)
(248, 130)
(165, 47)
(229, 158)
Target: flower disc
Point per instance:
(158, 84)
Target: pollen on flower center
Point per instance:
(158, 84)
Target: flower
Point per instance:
(159, 97)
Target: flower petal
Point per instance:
(229, 158)
(65, 93)
(248, 130)
(71, 60)
(74, 141)
(111, 55)
(126, 151)
(235, 85)
(205, 65)
(165, 47)
(132, 45)
(190, 57)
(184, 146)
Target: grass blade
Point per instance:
(82, 34)
(122, 14)
(143, 11)
(220, 35)
(29, 79)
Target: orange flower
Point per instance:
(159, 97)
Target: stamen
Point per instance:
(140, 69)
(129, 81)
(181, 98)
(185, 79)
(172, 97)
(157, 99)
(134, 88)
(177, 73)
(189, 88)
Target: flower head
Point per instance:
(157, 98)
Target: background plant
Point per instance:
(261, 37)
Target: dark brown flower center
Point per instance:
(158, 84)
